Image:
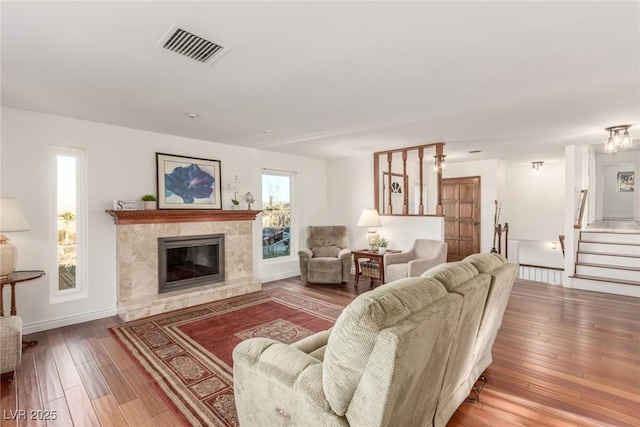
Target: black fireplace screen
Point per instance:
(187, 261)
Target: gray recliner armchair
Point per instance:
(326, 257)
(423, 255)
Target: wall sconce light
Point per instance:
(554, 245)
(537, 167)
(616, 140)
(439, 162)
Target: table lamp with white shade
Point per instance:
(370, 218)
(11, 219)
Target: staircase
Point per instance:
(608, 261)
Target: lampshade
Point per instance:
(11, 219)
(369, 218)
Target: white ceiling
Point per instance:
(517, 80)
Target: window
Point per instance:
(278, 216)
(68, 215)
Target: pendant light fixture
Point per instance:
(619, 137)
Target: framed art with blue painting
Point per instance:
(188, 182)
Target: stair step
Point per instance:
(619, 273)
(603, 258)
(600, 284)
(611, 237)
(617, 248)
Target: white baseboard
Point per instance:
(45, 325)
(280, 276)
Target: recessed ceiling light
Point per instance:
(267, 130)
(192, 115)
(474, 151)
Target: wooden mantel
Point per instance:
(160, 216)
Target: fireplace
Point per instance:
(188, 261)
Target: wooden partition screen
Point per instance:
(406, 183)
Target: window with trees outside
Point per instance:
(70, 221)
(277, 214)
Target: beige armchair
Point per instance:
(326, 257)
(423, 255)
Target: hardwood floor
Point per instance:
(563, 358)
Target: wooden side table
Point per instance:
(12, 279)
(374, 269)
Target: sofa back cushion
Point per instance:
(464, 279)
(357, 331)
(503, 274)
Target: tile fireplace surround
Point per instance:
(137, 258)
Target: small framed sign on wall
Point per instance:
(188, 182)
(626, 181)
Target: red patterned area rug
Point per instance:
(188, 352)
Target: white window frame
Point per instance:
(293, 200)
(82, 260)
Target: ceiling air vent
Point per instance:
(187, 44)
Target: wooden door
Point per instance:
(461, 203)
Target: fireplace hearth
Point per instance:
(188, 261)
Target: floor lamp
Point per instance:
(11, 219)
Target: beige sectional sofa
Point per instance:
(407, 353)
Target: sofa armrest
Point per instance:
(282, 362)
(305, 253)
(10, 343)
(399, 258)
(345, 253)
(274, 380)
(313, 342)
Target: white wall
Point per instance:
(350, 190)
(616, 204)
(121, 165)
(534, 204)
(605, 192)
(534, 208)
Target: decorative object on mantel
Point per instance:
(124, 205)
(184, 215)
(233, 188)
(188, 182)
(149, 201)
(249, 199)
(616, 140)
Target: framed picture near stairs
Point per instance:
(626, 181)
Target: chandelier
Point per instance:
(618, 137)
(536, 167)
(439, 162)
